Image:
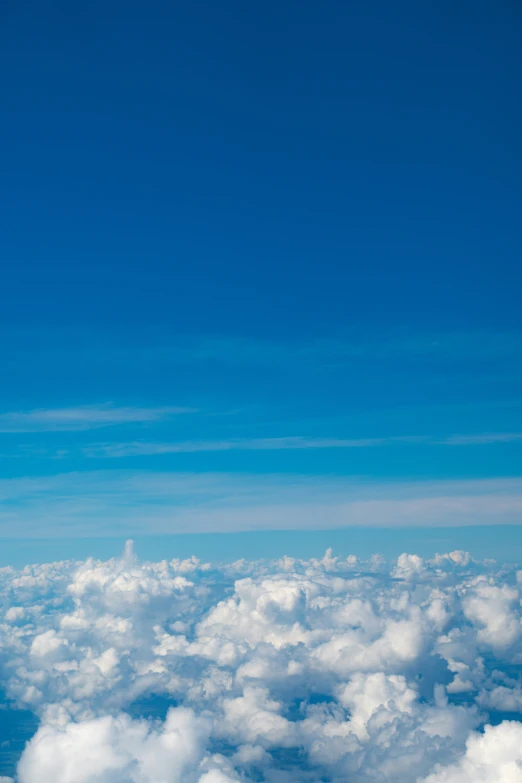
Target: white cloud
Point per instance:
(288, 671)
(490, 608)
(140, 448)
(297, 442)
(83, 417)
(129, 502)
(492, 757)
(117, 750)
(482, 438)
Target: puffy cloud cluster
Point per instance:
(120, 749)
(492, 757)
(290, 671)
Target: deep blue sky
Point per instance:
(298, 220)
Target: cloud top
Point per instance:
(285, 671)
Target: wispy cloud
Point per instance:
(482, 438)
(151, 347)
(471, 345)
(132, 503)
(139, 449)
(83, 417)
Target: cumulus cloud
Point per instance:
(117, 749)
(492, 757)
(287, 671)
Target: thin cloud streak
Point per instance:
(141, 449)
(445, 345)
(169, 349)
(83, 417)
(483, 438)
(247, 444)
(106, 503)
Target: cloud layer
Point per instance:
(283, 671)
(290, 443)
(129, 503)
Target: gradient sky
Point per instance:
(260, 266)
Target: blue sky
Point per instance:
(260, 267)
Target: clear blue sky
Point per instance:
(260, 264)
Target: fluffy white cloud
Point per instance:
(117, 750)
(492, 757)
(290, 671)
